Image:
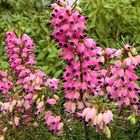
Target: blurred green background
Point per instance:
(111, 22)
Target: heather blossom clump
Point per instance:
(99, 120)
(54, 122)
(78, 51)
(21, 59)
(122, 80)
(52, 83)
(6, 82)
(83, 75)
(24, 97)
(90, 74)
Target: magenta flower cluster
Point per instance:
(6, 82)
(90, 73)
(21, 58)
(54, 122)
(78, 51)
(25, 97)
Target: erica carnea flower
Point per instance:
(52, 83)
(54, 122)
(20, 52)
(90, 73)
(25, 96)
(97, 119)
(82, 57)
(122, 79)
(6, 82)
(83, 76)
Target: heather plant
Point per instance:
(27, 95)
(99, 89)
(90, 75)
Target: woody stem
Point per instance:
(86, 132)
(81, 96)
(81, 78)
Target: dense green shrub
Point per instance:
(111, 23)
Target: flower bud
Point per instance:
(56, 97)
(134, 51)
(107, 132)
(78, 9)
(35, 96)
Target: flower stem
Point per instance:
(86, 132)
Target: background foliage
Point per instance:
(111, 22)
